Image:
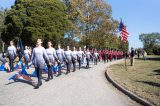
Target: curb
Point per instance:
(128, 93)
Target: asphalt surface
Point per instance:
(85, 87)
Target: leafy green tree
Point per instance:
(92, 19)
(151, 42)
(32, 19)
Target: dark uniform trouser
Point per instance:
(68, 64)
(104, 58)
(79, 61)
(87, 62)
(11, 64)
(39, 74)
(26, 63)
(107, 58)
(74, 64)
(50, 74)
(60, 68)
(95, 61)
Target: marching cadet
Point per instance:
(95, 56)
(68, 59)
(20, 53)
(27, 56)
(74, 58)
(12, 55)
(39, 58)
(60, 56)
(100, 55)
(104, 56)
(110, 54)
(80, 55)
(88, 56)
(107, 55)
(51, 52)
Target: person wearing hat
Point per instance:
(132, 54)
(51, 52)
(39, 58)
(12, 55)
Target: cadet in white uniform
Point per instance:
(74, 58)
(27, 56)
(88, 56)
(95, 56)
(12, 55)
(52, 59)
(60, 56)
(68, 59)
(39, 58)
(80, 56)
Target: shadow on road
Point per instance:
(22, 81)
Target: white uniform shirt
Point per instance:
(51, 52)
(11, 52)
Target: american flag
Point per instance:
(123, 32)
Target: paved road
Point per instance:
(85, 87)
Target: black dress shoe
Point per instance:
(40, 83)
(36, 87)
(67, 72)
(51, 77)
(47, 79)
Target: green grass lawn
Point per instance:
(142, 79)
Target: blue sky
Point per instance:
(140, 16)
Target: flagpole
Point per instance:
(126, 61)
(123, 43)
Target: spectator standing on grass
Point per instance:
(132, 54)
(144, 55)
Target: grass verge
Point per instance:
(143, 78)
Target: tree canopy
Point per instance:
(32, 19)
(151, 42)
(79, 22)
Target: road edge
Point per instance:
(127, 92)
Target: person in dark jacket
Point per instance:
(132, 54)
